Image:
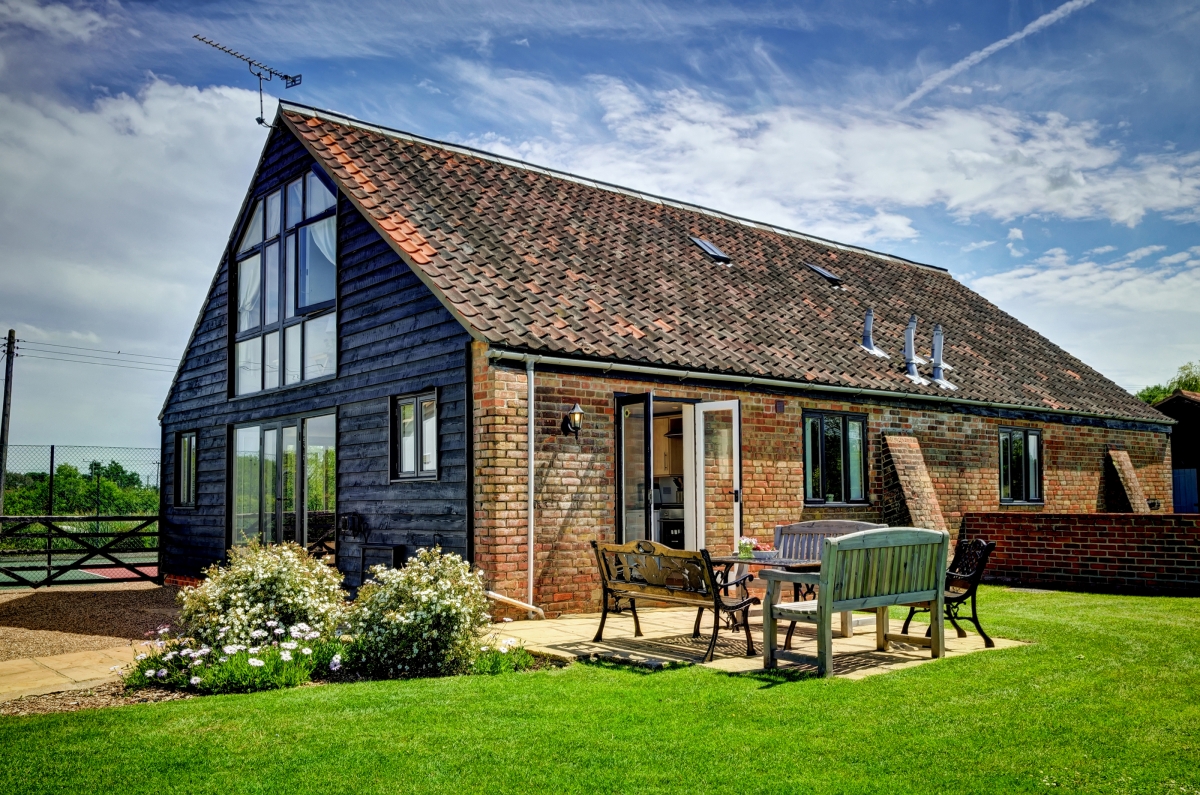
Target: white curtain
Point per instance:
(324, 234)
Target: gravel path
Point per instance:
(81, 618)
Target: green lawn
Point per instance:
(1105, 700)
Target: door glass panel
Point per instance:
(247, 463)
(320, 483)
(633, 471)
(719, 484)
(270, 482)
(288, 486)
(833, 460)
(854, 447)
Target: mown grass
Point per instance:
(1104, 700)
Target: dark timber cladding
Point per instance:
(394, 338)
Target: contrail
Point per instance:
(935, 80)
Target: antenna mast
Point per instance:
(259, 70)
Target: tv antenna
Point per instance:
(259, 70)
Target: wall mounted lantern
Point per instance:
(573, 421)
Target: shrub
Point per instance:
(183, 664)
(280, 583)
(421, 620)
(503, 658)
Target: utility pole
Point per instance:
(10, 353)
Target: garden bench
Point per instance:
(646, 570)
(869, 570)
(962, 581)
(803, 541)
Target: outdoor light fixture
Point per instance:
(573, 421)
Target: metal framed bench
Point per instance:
(962, 581)
(870, 570)
(646, 570)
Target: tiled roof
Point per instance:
(541, 261)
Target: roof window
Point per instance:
(830, 276)
(711, 250)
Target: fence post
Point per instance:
(10, 353)
(50, 509)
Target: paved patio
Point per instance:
(667, 640)
(32, 676)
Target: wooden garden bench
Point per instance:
(804, 541)
(872, 569)
(646, 570)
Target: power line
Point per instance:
(99, 364)
(93, 356)
(98, 350)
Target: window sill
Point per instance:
(415, 479)
(1018, 504)
(863, 504)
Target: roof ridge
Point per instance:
(391, 132)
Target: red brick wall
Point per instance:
(1109, 552)
(575, 481)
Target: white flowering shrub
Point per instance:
(261, 592)
(425, 619)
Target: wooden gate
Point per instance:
(77, 550)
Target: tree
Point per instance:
(1188, 377)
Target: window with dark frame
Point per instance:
(1021, 466)
(835, 458)
(185, 470)
(285, 282)
(415, 437)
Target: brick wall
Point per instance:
(1104, 552)
(575, 480)
(912, 501)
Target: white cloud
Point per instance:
(1016, 234)
(1045, 20)
(1138, 254)
(1100, 250)
(846, 173)
(976, 246)
(1175, 259)
(114, 218)
(1124, 319)
(58, 20)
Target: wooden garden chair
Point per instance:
(869, 570)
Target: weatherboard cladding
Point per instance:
(533, 260)
(394, 336)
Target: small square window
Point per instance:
(415, 436)
(185, 470)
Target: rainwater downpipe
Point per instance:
(530, 448)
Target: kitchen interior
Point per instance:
(668, 469)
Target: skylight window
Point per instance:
(832, 277)
(711, 250)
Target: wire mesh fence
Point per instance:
(67, 480)
(96, 509)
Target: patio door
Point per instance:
(716, 471)
(635, 467)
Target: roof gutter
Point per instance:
(744, 380)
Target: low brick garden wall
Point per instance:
(1102, 552)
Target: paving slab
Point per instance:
(32, 676)
(667, 641)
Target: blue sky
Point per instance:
(1046, 153)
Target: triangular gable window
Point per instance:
(254, 230)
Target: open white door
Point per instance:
(715, 460)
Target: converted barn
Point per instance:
(396, 323)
